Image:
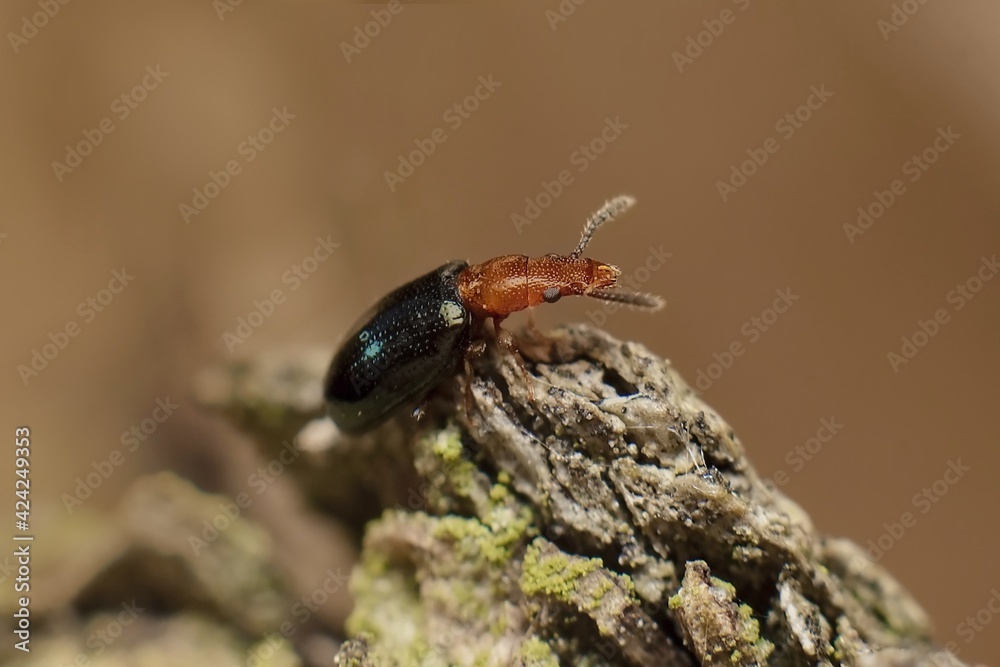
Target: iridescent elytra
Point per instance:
(419, 334)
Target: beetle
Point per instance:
(419, 334)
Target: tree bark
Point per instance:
(592, 510)
(599, 512)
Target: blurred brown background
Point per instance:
(682, 125)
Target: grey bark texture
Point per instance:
(594, 512)
(599, 512)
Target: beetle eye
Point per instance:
(551, 295)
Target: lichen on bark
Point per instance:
(594, 511)
(601, 509)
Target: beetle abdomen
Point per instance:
(405, 344)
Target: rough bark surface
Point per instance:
(594, 512)
(599, 512)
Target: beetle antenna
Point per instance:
(611, 208)
(640, 300)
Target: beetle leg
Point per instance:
(507, 341)
(536, 342)
(535, 336)
(476, 350)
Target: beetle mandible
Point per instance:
(419, 334)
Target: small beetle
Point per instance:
(415, 337)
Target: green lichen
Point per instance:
(418, 566)
(375, 564)
(598, 593)
(726, 586)
(499, 493)
(492, 539)
(446, 446)
(556, 575)
(708, 605)
(536, 653)
(499, 625)
(465, 601)
(751, 631)
(350, 661)
(762, 648)
(625, 581)
(386, 598)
